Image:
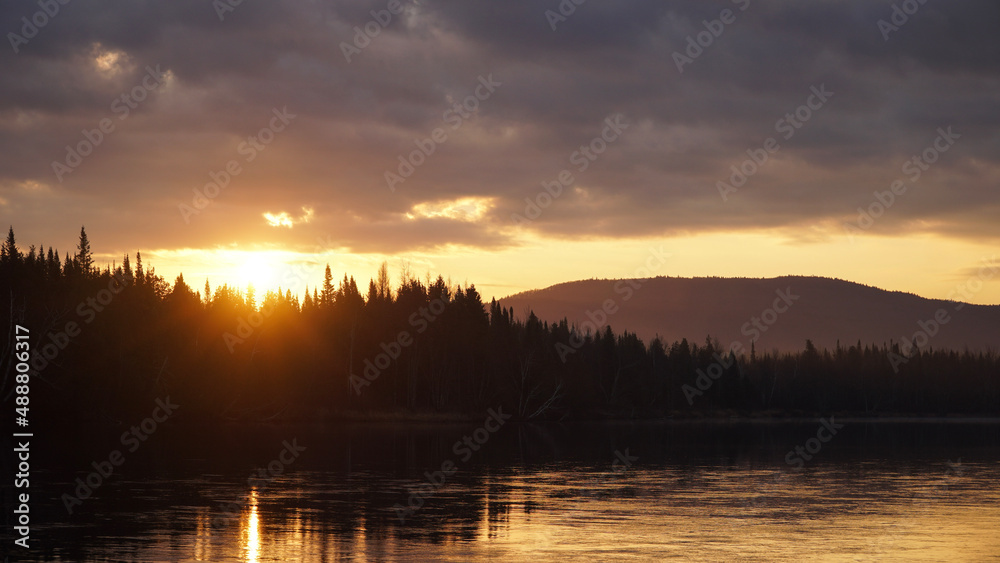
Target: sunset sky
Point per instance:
(312, 115)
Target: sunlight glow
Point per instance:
(259, 271)
(251, 535)
(280, 220)
(893, 263)
(267, 268)
(283, 219)
(108, 61)
(467, 209)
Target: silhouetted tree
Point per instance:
(84, 258)
(229, 358)
(329, 293)
(9, 254)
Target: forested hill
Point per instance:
(821, 309)
(88, 344)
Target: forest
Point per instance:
(106, 343)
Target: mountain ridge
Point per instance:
(824, 310)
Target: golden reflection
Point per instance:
(250, 537)
(203, 536)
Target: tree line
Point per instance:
(107, 342)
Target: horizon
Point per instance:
(268, 276)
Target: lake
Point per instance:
(685, 491)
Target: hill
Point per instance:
(779, 313)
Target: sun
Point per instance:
(259, 272)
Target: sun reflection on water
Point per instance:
(250, 537)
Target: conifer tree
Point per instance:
(140, 276)
(328, 290)
(84, 258)
(384, 283)
(52, 265)
(55, 267)
(127, 270)
(9, 254)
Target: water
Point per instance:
(619, 492)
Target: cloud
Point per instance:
(283, 219)
(356, 118)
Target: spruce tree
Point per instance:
(127, 270)
(84, 258)
(52, 265)
(307, 301)
(140, 276)
(55, 267)
(9, 254)
(328, 291)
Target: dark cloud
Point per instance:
(355, 119)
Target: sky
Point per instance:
(511, 144)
